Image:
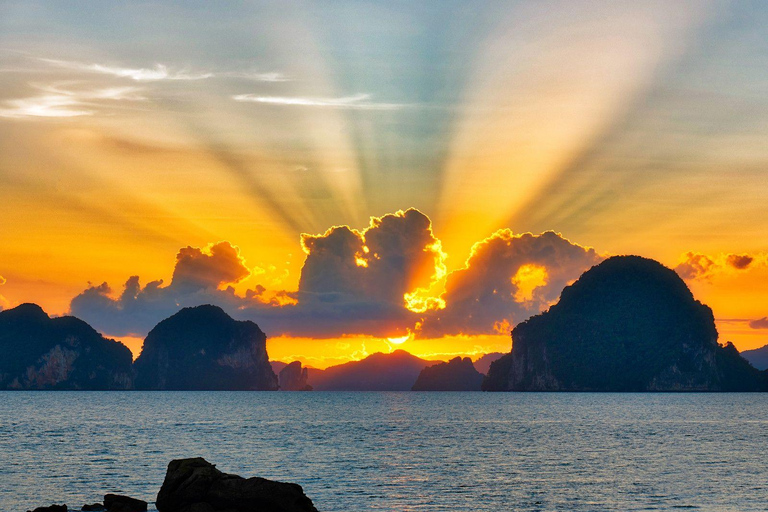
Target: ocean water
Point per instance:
(397, 451)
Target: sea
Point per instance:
(404, 451)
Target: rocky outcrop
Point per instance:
(39, 352)
(203, 348)
(117, 503)
(52, 508)
(456, 375)
(627, 324)
(757, 357)
(293, 378)
(195, 485)
(378, 372)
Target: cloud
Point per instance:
(59, 101)
(740, 261)
(507, 278)
(158, 72)
(760, 323)
(2, 280)
(695, 265)
(358, 282)
(162, 72)
(197, 277)
(356, 102)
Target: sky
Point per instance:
(362, 176)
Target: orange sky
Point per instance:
(632, 129)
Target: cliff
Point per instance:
(456, 375)
(39, 352)
(203, 348)
(378, 372)
(627, 324)
(293, 377)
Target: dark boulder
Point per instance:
(117, 503)
(52, 508)
(627, 324)
(195, 485)
(293, 378)
(456, 375)
(94, 507)
(40, 352)
(203, 348)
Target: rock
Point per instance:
(95, 507)
(52, 508)
(203, 348)
(195, 485)
(378, 372)
(456, 375)
(627, 324)
(40, 352)
(117, 503)
(293, 378)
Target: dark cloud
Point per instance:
(196, 280)
(760, 323)
(695, 266)
(739, 261)
(507, 279)
(357, 282)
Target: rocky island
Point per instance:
(458, 374)
(203, 348)
(40, 352)
(627, 324)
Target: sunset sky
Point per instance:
(363, 176)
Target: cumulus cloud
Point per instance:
(197, 278)
(760, 323)
(357, 282)
(507, 278)
(354, 102)
(695, 265)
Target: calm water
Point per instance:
(397, 451)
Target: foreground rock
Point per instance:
(39, 352)
(117, 503)
(628, 324)
(203, 348)
(456, 375)
(293, 378)
(195, 485)
(52, 508)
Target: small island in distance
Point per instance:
(627, 324)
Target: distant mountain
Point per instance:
(277, 366)
(203, 348)
(627, 324)
(484, 363)
(39, 352)
(456, 375)
(757, 357)
(378, 372)
(293, 378)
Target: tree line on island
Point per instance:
(627, 324)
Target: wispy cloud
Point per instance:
(357, 101)
(58, 101)
(162, 72)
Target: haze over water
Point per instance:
(396, 451)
